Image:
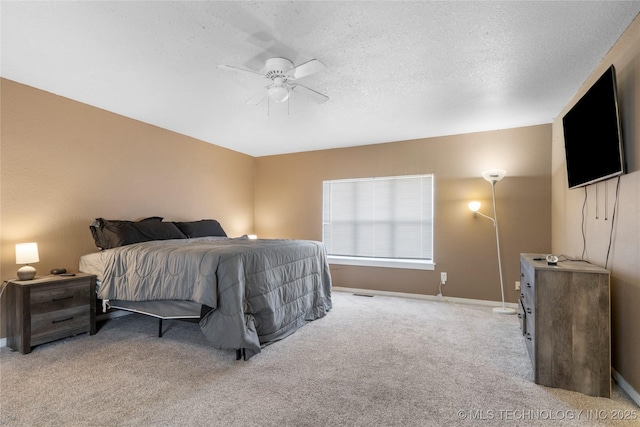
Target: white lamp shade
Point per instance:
(494, 175)
(474, 206)
(27, 253)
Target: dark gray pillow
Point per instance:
(109, 234)
(158, 230)
(96, 232)
(202, 228)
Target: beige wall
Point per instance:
(624, 260)
(289, 204)
(65, 163)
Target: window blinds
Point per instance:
(390, 217)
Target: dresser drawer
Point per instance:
(60, 298)
(530, 320)
(521, 316)
(530, 341)
(527, 279)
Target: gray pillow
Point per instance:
(202, 228)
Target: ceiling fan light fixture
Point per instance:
(278, 93)
(281, 71)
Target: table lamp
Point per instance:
(26, 253)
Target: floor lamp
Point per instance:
(493, 176)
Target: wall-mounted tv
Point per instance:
(592, 134)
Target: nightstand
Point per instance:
(49, 308)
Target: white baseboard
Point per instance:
(425, 297)
(628, 388)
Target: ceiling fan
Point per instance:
(283, 75)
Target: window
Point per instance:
(379, 221)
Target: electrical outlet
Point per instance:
(443, 278)
(517, 286)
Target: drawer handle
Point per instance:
(528, 336)
(62, 320)
(528, 310)
(528, 285)
(62, 298)
(519, 315)
(521, 295)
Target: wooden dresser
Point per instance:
(564, 314)
(49, 308)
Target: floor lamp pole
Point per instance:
(503, 309)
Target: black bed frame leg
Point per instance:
(160, 328)
(240, 354)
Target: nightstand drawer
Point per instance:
(67, 320)
(60, 297)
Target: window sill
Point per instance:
(414, 264)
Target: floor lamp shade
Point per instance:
(27, 253)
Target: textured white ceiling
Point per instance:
(396, 70)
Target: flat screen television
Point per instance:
(592, 135)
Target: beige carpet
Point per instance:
(378, 361)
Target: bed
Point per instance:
(246, 293)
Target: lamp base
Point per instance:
(505, 310)
(26, 273)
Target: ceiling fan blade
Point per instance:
(240, 70)
(305, 69)
(258, 97)
(309, 93)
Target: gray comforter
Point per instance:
(260, 291)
